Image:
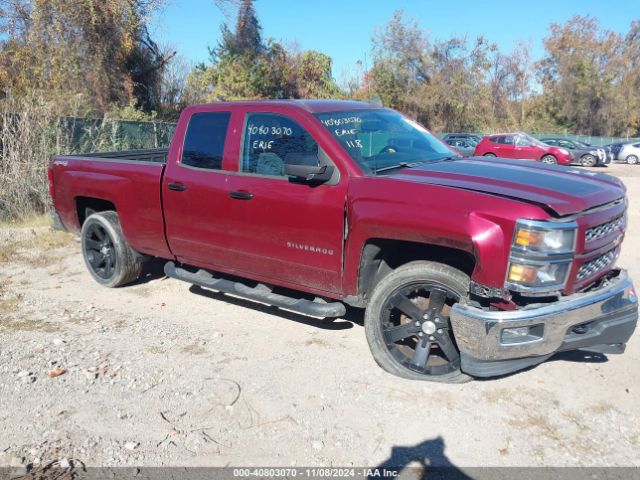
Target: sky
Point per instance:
(343, 28)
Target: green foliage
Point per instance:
(243, 66)
(590, 80)
(81, 52)
(130, 112)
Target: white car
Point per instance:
(630, 153)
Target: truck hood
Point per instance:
(563, 190)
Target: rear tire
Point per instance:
(489, 154)
(407, 322)
(107, 254)
(632, 159)
(588, 161)
(549, 159)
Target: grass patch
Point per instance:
(540, 422)
(25, 324)
(42, 220)
(9, 302)
(194, 349)
(34, 245)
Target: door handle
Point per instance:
(241, 195)
(177, 187)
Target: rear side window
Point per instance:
(204, 141)
(495, 139)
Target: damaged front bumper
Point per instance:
(498, 342)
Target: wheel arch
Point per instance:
(380, 256)
(86, 206)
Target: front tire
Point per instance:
(407, 322)
(549, 159)
(107, 254)
(588, 161)
(632, 159)
(489, 155)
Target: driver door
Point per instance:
(525, 149)
(282, 229)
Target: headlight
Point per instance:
(538, 276)
(544, 237)
(541, 256)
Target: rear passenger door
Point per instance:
(283, 229)
(194, 191)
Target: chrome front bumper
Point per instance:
(606, 315)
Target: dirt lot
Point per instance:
(160, 374)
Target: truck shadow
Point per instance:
(151, 270)
(577, 356)
(424, 460)
(580, 356)
(353, 316)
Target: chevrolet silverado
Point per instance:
(465, 267)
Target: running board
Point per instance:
(260, 293)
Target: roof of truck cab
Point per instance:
(311, 106)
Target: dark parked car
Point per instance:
(583, 153)
(614, 150)
(464, 147)
(473, 137)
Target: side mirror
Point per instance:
(304, 167)
(309, 173)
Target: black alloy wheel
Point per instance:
(107, 254)
(417, 330)
(100, 251)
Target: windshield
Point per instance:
(381, 140)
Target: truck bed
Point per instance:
(154, 155)
(129, 180)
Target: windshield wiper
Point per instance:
(400, 165)
(446, 159)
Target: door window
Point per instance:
(271, 140)
(204, 141)
(523, 141)
(507, 140)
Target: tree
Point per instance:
(243, 66)
(442, 83)
(81, 52)
(581, 77)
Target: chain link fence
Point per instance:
(85, 135)
(30, 133)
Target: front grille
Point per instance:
(599, 231)
(596, 265)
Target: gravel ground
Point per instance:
(162, 374)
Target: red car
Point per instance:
(521, 146)
(314, 205)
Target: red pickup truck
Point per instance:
(466, 267)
